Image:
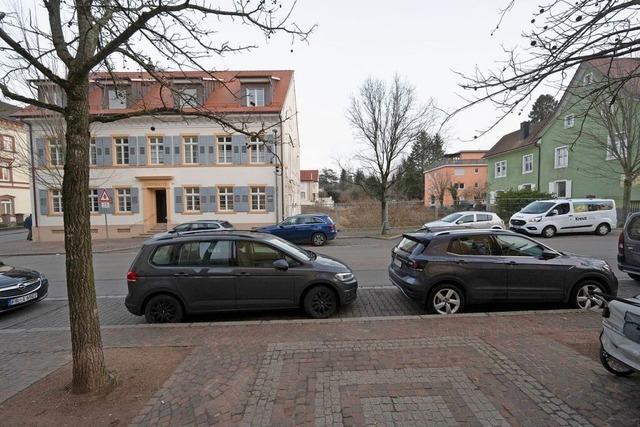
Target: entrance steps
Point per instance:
(157, 228)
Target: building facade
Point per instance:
(309, 187)
(15, 187)
(466, 171)
(566, 155)
(152, 172)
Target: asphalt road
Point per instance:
(369, 258)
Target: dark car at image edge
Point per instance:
(232, 271)
(449, 270)
(20, 287)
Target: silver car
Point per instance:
(467, 219)
(196, 227)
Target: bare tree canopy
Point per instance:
(562, 35)
(386, 118)
(81, 37)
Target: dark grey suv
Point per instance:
(451, 269)
(224, 271)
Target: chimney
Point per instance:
(524, 130)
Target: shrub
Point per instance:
(511, 201)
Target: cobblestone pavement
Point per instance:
(526, 369)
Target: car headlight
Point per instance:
(42, 277)
(536, 219)
(345, 277)
(606, 267)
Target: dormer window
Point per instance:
(187, 97)
(117, 99)
(255, 96)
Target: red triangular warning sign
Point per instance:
(104, 196)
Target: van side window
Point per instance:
(209, 253)
(581, 207)
(562, 208)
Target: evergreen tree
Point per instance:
(426, 150)
(543, 108)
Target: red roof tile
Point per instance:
(309, 175)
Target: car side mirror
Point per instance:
(173, 230)
(281, 264)
(459, 221)
(553, 212)
(547, 254)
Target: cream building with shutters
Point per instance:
(160, 171)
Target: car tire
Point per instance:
(580, 296)
(613, 366)
(603, 229)
(549, 231)
(634, 276)
(445, 299)
(163, 309)
(318, 239)
(320, 302)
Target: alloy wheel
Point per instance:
(163, 311)
(322, 302)
(446, 301)
(318, 239)
(585, 298)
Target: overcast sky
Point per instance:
(423, 41)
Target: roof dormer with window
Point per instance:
(256, 91)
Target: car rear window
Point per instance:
(633, 228)
(411, 246)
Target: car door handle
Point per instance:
(512, 263)
(461, 261)
(183, 274)
(242, 273)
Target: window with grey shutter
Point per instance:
(178, 199)
(44, 202)
(270, 199)
(40, 156)
(135, 200)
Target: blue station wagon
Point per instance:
(304, 228)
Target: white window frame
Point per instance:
(121, 150)
(610, 141)
(6, 207)
(5, 171)
(526, 157)
(555, 188)
(225, 199)
(56, 202)
(156, 150)
(190, 150)
(56, 156)
(258, 198)
(569, 121)
(93, 152)
(255, 95)
(192, 201)
(8, 143)
(500, 169)
(557, 159)
(257, 151)
(225, 150)
(117, 99)
(124, 200)
(94, 202)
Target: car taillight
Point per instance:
(132, 276)
(621, 244)
(416, 265)
(332, 227)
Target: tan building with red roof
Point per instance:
(172, 163)
(309, 187)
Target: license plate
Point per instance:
(23, 299)
(397, 262)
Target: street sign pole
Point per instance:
(105, 205)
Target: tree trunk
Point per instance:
(626, 199)
(89, 370)
(384, 208)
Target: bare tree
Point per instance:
(84, 36)
(386, 118)
(438, 183)
(478, 194)
(612, 126)
(562, 35)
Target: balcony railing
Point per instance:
(461, 162)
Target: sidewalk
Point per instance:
(527, 369)
(26, 248)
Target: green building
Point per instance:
(571, 154)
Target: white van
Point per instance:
(548, 217)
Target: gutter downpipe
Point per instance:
(34, 212)
(539, 143)
(281, 164)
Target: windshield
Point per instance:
(537, 207)
(289, 248)
(289, 221)
(182, 227)
(451, 217)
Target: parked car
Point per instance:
(234, 270)
(466, 220)
(196, 227)
(451, 269)
(629, 247)
(314, 228)
(548, 217)
(20, 287)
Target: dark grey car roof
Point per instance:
(210, 234)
